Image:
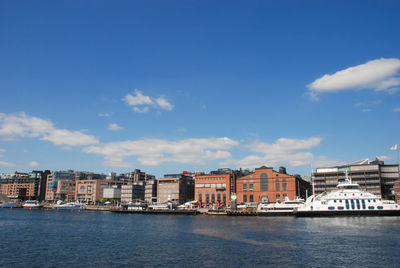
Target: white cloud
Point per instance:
(6, 164)
(284, 151)
(396, 109)
(152, 152)
(103, 114)
(138, 99)
(21, 125)
(376, 74)
(114, 127)
(164, 104)
(143, 110)
(33, 164)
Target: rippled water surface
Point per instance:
(96, 239)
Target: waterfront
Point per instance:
(102, 239)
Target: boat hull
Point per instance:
(326, 213)
(274, 213)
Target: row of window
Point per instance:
(215, 197)
(211, 185)
(211, 178)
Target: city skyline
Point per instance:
(189, 85)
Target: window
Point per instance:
(251, 198)
(244, 187)
(213, 197)
(352, 204)
(219, 197)
(244, 198)
(284, 187)
(224, 197)
(207, 197)
(278, 197)
(264, 182)
(358, 204)
(363, 203)
(251, 189)
(278, 186)
(347, 204)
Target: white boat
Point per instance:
(8, 205)
(32, 204)
(347, 200)
(285, 208)
(69, 206)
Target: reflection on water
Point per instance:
(51, 239)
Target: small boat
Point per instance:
(32, 204)
(347, 200)
(285, 208)
(69, 206)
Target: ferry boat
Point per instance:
(32, 204)
(285, 208)
(347, 200)
(68, 206)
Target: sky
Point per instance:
(172, 86)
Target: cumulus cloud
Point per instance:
(114, 127)
(396, 109)
(141, 110)
(164, 104)
(22, 125)
(153, 152)
(377, 74)
(144, 102)
(103, 114)
(284, 151)
(137, 99)
(33, 164)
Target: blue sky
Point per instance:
(166, 86)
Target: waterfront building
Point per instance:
(372, 176)
(267, 185)
(113, 192)
(176, 188)
(150, 191)
(132, 192)
(24, 186)
(216, 187)
(87, 191)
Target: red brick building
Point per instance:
(215, 188)
(268, 185)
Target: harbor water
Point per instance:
(34, 238)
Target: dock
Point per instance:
(156, 211)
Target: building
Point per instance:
(268, 185)
(113, 193)
(25, 185)
(87, 191)
(372, 176)
(216, 187)
(54, 191)
(150, 191)
(176, 188)
(132, 192)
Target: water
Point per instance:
(99, 239)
